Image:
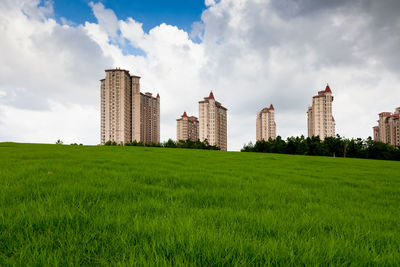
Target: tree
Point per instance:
(110, 143)
(170, 143)
(330, 146)
(248, 148)
(334, 145)
(59, 142)
(278, 145)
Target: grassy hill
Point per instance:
(86, 205)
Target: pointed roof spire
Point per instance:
(184, 114)
(271, 107)
(158, 96)
(211, 96)
(328, 89)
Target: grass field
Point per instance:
(82, 205)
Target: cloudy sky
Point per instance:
(251, 53)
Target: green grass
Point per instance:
(82, 205)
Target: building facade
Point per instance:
(265, 124)
(126, 113)
(320, 119)
(187, 127)
(213, 122)
(149, 118)
(388, 129)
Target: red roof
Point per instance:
(211, 96)
(271, 107)
(184, 114)
(333, 119)
(328, 89)
(158, 96)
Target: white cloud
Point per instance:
(43, 63)
(107, 20)
(133, 31)
(69, 123)
(251, 53)
(210, 2)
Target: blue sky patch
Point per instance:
(181, 13)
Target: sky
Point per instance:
(181, 13)
(251, 53)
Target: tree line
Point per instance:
(190, 144)
(330, 146)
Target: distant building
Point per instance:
(213, 122)
(320, 120)
(126, 113)
(388, 129)
(266, 126)
(187, 128)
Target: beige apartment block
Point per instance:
(187, 127)
(126, 113)
(213, 122)
(320, 120)
(266, 126)
(388, 129)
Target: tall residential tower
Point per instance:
(213, 122)
(388, 130)
(126, 113)
(320, 120)
(187, 128)
(266, 126)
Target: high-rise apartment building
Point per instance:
(213, 122)
(320, 120)
(126, 113)
(266, 126)
(388, 129)
(187, 127)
